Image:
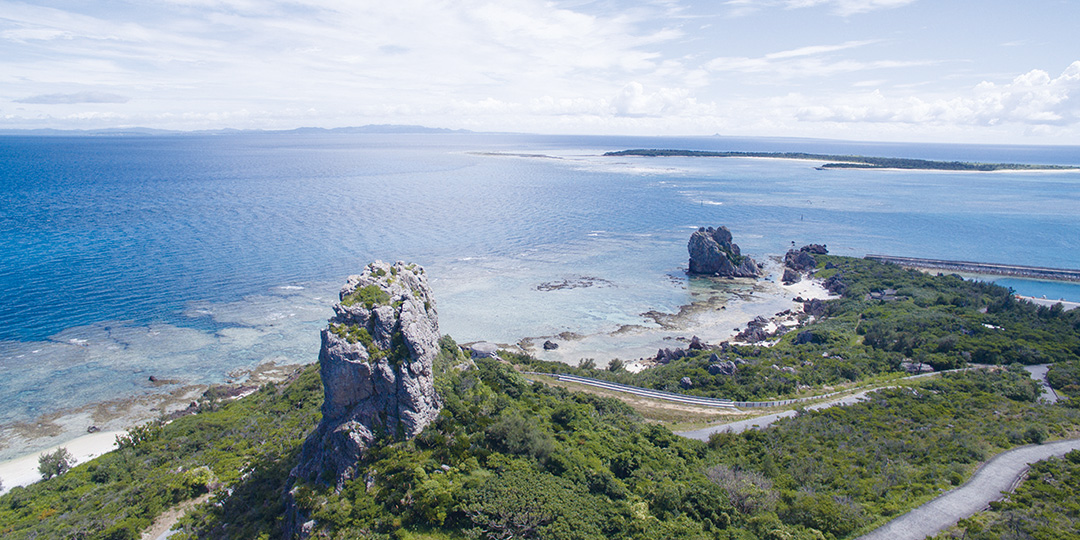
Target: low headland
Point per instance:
(400, 433)
(851, 161)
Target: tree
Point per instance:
(55, 464)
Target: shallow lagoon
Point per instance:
(195, 258)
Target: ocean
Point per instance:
(197, 257)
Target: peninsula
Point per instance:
(852, 162)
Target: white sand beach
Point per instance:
(23, 471)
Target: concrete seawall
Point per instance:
(1037, 272)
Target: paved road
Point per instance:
(995, 476)
(998, 475)
(762, 422)
(1038, 372)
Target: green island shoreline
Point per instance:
(851, 161)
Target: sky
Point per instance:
(980, 71)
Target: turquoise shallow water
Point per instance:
(192, 256)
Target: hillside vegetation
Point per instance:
(507, 458)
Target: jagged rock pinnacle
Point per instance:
(376, 367)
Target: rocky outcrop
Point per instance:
(814, 307)
(798, 262)
(791, 276)
(376, 368)
(835, 284)
(712, 252)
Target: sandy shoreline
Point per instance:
(22, 471)
(720, 309)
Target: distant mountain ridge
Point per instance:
(142, 131)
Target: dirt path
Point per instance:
(165, 521)
(995, 476)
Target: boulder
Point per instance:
(759, 322)
(814, 307)
(723, 368)
(800, 261)
(752, 334)
(835, 284)
(805, 337)
(816, 249)
(791, 276)
(712, 252)
(696, 344)
(550, 345)
(686, 383)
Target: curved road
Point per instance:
(1000, 474)
(761, 422)
(993, 477)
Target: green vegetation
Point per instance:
(509, 458)
(369, 296)
(356, 334)
(254, 440)
(944, 321)
(1044, 507)
(849, 162)
(55, 463)
(1064, 378)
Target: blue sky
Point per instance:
(896, 70)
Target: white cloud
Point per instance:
(809, 61)
(843, 8)
(849, 7)
(1032, 99)
(76, 97)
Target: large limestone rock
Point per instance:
(376, 368)
(712, 252)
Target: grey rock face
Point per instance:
(723, 368)
(814, 307)
(800, 261)
(791, 276)
(376, 368)
(686, 383)
(712, 252)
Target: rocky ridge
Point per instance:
(712, 252)
(376, 368)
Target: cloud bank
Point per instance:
(835, 68)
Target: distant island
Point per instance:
(851, 162)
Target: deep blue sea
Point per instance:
(194, 256)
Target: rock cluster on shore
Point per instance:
(712, 252)
(376, 367)
(801, 261)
